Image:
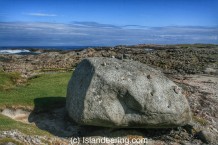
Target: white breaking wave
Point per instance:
(9, 51)
(149, 49)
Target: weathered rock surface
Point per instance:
(122, 93)
(206, 136)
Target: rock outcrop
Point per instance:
(121, 93)
(172, 59)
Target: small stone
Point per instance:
(206, 136)
(8, 143)
(185, 143)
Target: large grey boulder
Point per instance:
(122, 93)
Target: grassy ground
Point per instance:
(43, 86)
(6, 140)
(8, 80)
(7, 123)
(45, 90)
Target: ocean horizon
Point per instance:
(47, 47)
(28, 49)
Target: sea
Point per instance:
(29, 49)
(25, 50)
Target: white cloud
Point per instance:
(36, 33)
(41, 14)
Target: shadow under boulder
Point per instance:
(49, 114)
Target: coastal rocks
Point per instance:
(20, 138)
(16, 114)
(172, 60)
(207, 136)
(211, 71)
(124, 94)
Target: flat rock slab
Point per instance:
(124, 94)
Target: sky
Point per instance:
(107, 22)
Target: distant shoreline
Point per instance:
(46, 47)
(40, 49)
(23, 50)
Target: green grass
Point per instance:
(7, 123)
(7, 140)
(43, 86)
(200, 120)
(8, 80)
(47, 90)
(54, 69)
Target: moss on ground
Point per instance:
(200, 120)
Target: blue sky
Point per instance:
(107, 22)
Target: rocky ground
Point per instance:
(190, 59)
(193, 67)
